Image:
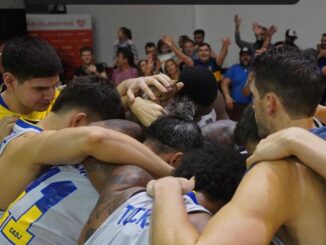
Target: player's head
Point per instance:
(171, 136)
(88, 99)
(288, 86)
(31, 70)
(217, 169)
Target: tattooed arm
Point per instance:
(115, 184)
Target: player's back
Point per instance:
(52, 210)
(308, 225)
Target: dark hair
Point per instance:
(218, 170)
(205, 44)
(170, 133)
(84, 49)
(246, 130)
(199, 32)
(150, 45)
(199, 85)
(127, 54)
(126, 32)
(160, 44)
(30, 57)
(139, 67)
(324, 34)
(293, 76)
(96, 95)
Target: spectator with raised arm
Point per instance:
(262, 34)
(204, 54)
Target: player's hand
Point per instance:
(276, 146)
(146, 111)
(161, 82)
(183, 184)
(6, 125)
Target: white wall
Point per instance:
(147, 23)
(150, 22)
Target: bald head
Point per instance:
(220, 132)
(123, 126)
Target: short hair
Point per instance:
(97, 95)
(293, 76)
(205, 44)
(150, 45)
(199, 32)
(30, 57)
(246, 130)
(218, 170)
(199, 85)
(170, 133)
(85, 49)
(127, 54)
(126, 31)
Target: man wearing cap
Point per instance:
(234, 80)
(290, 37)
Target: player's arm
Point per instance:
(252, 216)
(306, 146)
(72, 145)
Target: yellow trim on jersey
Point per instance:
(33, 117)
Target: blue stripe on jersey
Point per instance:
(54, 193)
(48, 174)
(3, 103)
(192, 196)
(24, 124)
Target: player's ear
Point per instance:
(79, 119)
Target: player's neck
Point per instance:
(53, 122)
(306, 123)
(13, 104)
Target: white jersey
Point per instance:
(129, 224)
(206, 119)
(53, 209)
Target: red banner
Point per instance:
(67, 34)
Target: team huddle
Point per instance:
(76, 169)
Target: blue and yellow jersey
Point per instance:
(53, 208)
(33, 117)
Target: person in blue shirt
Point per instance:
(234, 80)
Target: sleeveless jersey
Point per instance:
(129, 224)
(53, 209)
(206, 119)
(33, 117)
